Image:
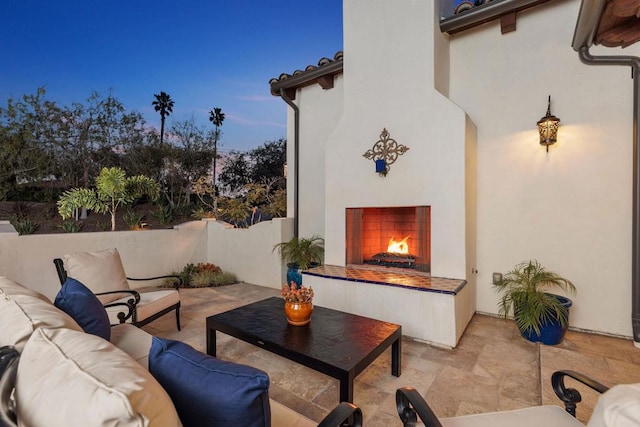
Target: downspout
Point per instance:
(296, 157)
(634, 63)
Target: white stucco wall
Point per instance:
(320, 110)
(570, 208)
(248, 252)
(386, 85)
(29, 259)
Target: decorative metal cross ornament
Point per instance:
(385, 152)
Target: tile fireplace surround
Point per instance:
(432, 309)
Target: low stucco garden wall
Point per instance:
(244, 252)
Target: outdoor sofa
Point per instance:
(68, 367)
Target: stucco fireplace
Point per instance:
(397, 237)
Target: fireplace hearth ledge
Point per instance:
(431, 309)
(387, 276)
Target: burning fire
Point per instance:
(398, 246)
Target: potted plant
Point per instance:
(540, 316)
(300, 254)
(298, 303)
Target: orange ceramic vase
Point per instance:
(298, 314)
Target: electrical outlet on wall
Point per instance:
(497, 277)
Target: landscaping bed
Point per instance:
(48, 221)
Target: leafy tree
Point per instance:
(30, 133)
(268, 160)
(203, 189)
(94, 130)
(235, 211)
(189, 158)
(277, 206)
(235, 173)
(92, 135)
(163, 104)
(268, 197)
(259, 165)
(113, 189)
(216, 116)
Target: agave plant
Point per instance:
(523, 289)
(301, 251)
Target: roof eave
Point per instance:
(306, 78)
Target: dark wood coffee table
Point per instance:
(335, 343)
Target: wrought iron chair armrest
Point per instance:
(135, 294)
(7, 353)
(340, 414)
(9, 357)
(177, 284)
(570, 396)
(411, 405)
(123, 316)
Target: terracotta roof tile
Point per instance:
(311, 74)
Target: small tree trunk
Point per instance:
(113, 221)
(85, 179)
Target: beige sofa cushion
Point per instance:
(9, 287)
(151, 302)
(100, 271)
(619, 407)
(133, 341)
(536, 416)
(282, 416)
(23, 310)
(69, 378)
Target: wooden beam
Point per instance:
(326, 82)
(291, 93)
(508, 22)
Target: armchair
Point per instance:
(102, 272)
(615, 407)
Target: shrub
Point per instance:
(21, 209)
(133, 219)
(205, 266)
(202, 213)
(201, 275)
(103, 225)
(202, 279)
(49, 211)
(164, 214)
(224, 278)
(207, 278)
(71, 226)
(24, 225)
(186, 274)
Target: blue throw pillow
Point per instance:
(79, 302)
(207, 391)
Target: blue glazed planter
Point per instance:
(551, 333)
(294, 275)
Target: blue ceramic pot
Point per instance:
(552, 332)
(294, 275)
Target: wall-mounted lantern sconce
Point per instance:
(548, 127)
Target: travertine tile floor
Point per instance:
(492, 368)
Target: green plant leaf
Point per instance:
(523, 291)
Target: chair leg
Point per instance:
(178, 316)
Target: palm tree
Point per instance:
(164, 104)
(216, 116)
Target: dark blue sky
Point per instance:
(203, 53)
